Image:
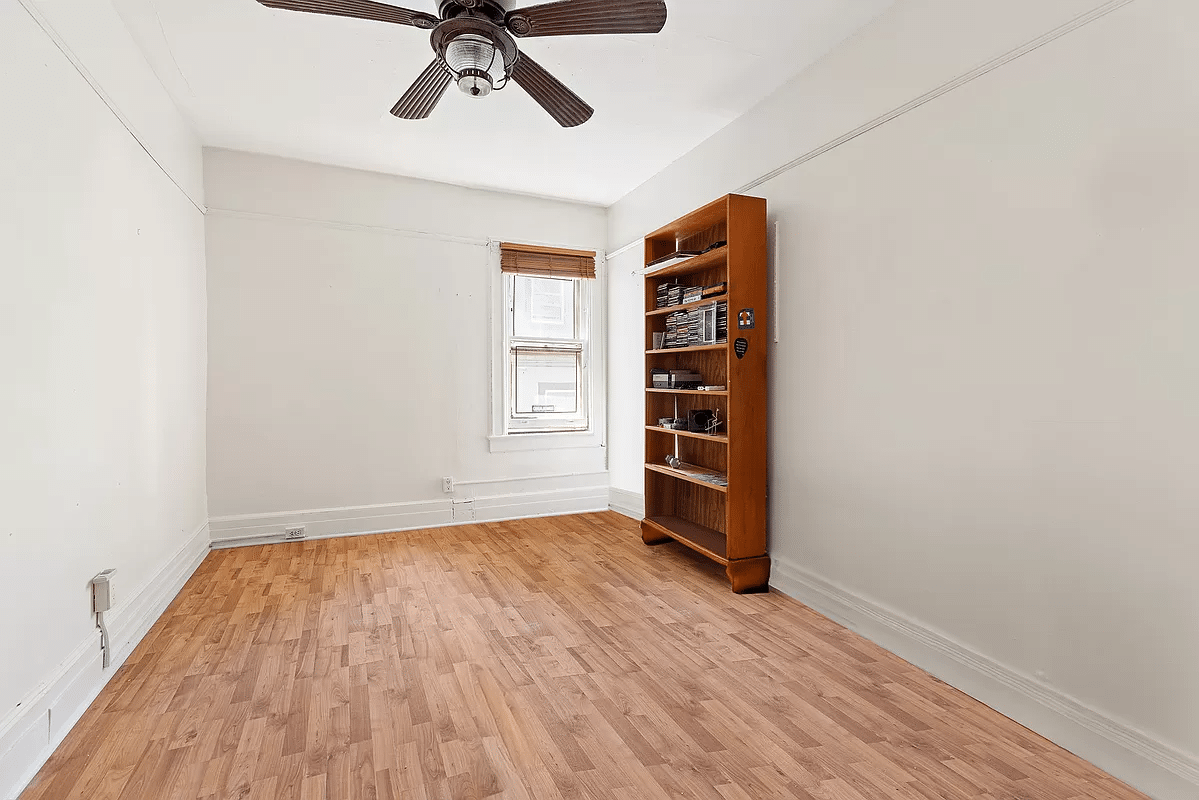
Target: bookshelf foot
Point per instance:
(749, 575)
(652, 536)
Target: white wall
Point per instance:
(102, 338)
(349, 347)
(983, 397)
(94, 38)
(913, 48)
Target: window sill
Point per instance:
(516, 442)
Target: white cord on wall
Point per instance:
(104, 645)
(778, 267)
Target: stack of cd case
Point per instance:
(698, 326)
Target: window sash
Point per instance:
(547, 420)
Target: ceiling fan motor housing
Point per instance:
(491, 9)
(496, 10)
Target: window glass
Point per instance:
(543, 308)
(546, 381)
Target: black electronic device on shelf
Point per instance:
(685, 379)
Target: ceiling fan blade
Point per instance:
(424, 95)
(357, 9)
(550, 93)
(577, 17)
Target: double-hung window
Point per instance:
(547, 330)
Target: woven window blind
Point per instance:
(549, 262)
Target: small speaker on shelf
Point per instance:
(699, 420)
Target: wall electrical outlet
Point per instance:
(291, 534)
(103, 595)
(447, 485)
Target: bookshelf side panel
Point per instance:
(746, 504)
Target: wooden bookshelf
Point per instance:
(725, 523)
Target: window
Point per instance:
(547, 335)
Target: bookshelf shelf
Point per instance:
(700, 538)
(695, 349)
(684, 476)
(691, 265)
(725, 523)
(692, 392)
(707, 437)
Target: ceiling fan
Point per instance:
(473, 40)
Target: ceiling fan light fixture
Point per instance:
(476, 64)
(475, 84)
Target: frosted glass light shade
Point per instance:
(475, 62)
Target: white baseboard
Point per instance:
(631, 504)
(251, 529)
(550, 503)
(254, 529)
(1134, 757)
(31, 732)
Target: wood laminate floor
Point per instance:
(540, 659)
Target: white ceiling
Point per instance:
(319, 88)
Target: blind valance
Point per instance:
(548, 262)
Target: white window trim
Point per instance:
(500, 440)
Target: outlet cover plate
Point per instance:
(292, 534)
(463, 510)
